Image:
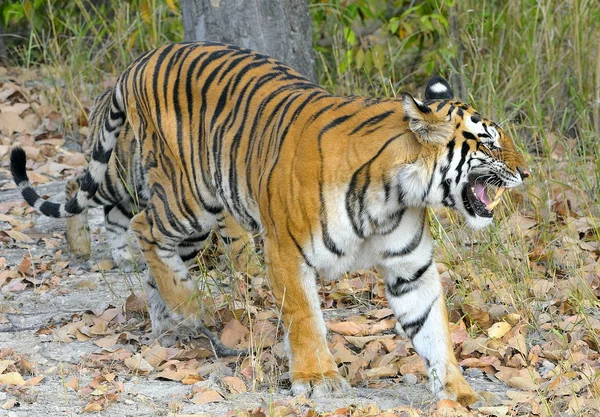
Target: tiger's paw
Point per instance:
(458, 389)
(320, 386)
(78, 238)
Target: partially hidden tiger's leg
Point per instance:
(78, 231)
(415, 295)
(294, 284)
(116, 222)
(239, 244)
(171, 293)
(190, 247)
(173, 299)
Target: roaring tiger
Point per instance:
(119, 195)
(332, 183)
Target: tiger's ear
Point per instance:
(438, 89)
(426, 125)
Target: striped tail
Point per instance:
(114, 118)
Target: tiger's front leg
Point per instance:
(415, 295)
(312, 367)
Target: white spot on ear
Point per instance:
(438, 88)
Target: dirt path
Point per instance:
(23, 313)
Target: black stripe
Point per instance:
(412, 245)
(50, 209)
(464, 150)
(428, 190)
(189, 256)
(228, 240)
(413, 327)
(469, 135)
(399, 281)
(355, 196)
(372, 121)
(299, 248)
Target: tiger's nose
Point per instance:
(523, 172)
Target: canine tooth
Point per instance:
(493, 204)
(499, 192)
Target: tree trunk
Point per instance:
(278, 28)
(3, 54)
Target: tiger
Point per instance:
(118, 195)
(332, 183)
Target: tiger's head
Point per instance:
(474, 160)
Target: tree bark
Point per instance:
(3, 54)
(278, 28)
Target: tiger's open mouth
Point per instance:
(476, 194)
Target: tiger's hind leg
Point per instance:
(190, 247)
(173, 298)
(239, 245)
(116, 221)
(78, 230)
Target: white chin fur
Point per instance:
(477, 223)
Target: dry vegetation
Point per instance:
(522, 295)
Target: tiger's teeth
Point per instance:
(493, 204)
(499, 192)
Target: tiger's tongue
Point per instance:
(481, 193)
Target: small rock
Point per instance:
(546, 367)
(473, 372)
(2, 396)
(410, 379)
(497, 311)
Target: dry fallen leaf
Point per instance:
(498, 330)
(12, 378)
(347, 328)
(497, 411)
(233, 333)
(139, 365)
(191, 379)
(11, 123)
(135, 303)
(107, 342)
(210, 396)
(18, 236)
(521, 383)
(73, 383)
(92, 408)
(234, 384)
(156, 355)
(104, 265)
(10, 403)
(34, 381)
(380, 372)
